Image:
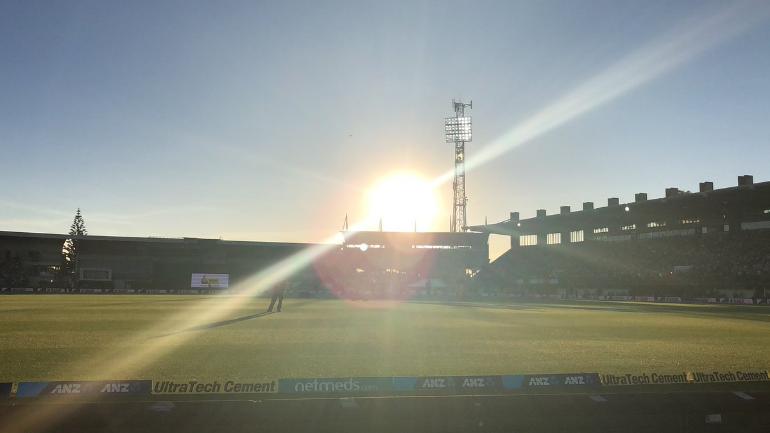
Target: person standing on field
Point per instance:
(277, 295)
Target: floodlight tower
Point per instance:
(458, 131)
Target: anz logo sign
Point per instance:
(542, 381)
(474, 382)
(87, 388)
(435, 382)
(575, 380)
(559, 380)
(67, 388)
(112, 388)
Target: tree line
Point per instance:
(15, 272)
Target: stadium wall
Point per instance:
(135, 264)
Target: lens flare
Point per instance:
(405, 196)
(670, 50)
(403, 202)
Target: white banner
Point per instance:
(210, 281)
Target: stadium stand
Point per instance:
(135, 264)
(366, 265)
(711, 244)
(707, 265)
(403, 265)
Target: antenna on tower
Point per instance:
(458, 130)
(345, 224)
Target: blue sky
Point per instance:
(268, 121)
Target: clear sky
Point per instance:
(270, 120)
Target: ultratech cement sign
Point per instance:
(226, 387)
(84, 388)
(684, 377)
(644, 379)
(729, 376)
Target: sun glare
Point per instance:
(403, 200)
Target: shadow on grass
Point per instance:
(192, 298)
(469, 304)
(760, 313)
(90, 305)
(219, 324)
(213, 325)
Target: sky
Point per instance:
(271, 120)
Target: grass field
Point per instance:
(86, 337)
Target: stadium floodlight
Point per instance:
(458, 129)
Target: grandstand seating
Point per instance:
(696, 265)
(706, 243)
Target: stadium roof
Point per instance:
(746, 202)
(449, 239)
(185, 240)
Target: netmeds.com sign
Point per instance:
(347, 385)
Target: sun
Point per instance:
(402, 201)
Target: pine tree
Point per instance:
(71, 248)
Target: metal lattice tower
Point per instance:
(458, 131)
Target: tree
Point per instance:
(71, 249)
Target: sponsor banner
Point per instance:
(439, 384)
(563, 381)
(5, 389)
(405, 384)
(513, 382)
(435, 383)
(685, 377)
(210, 281)
(479, 383)
(215, 387)
(30, 389)
(448, 384)
(84, 388)
(728, 376)
(643, 379)
(346, 385)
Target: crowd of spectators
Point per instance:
(703, 264)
